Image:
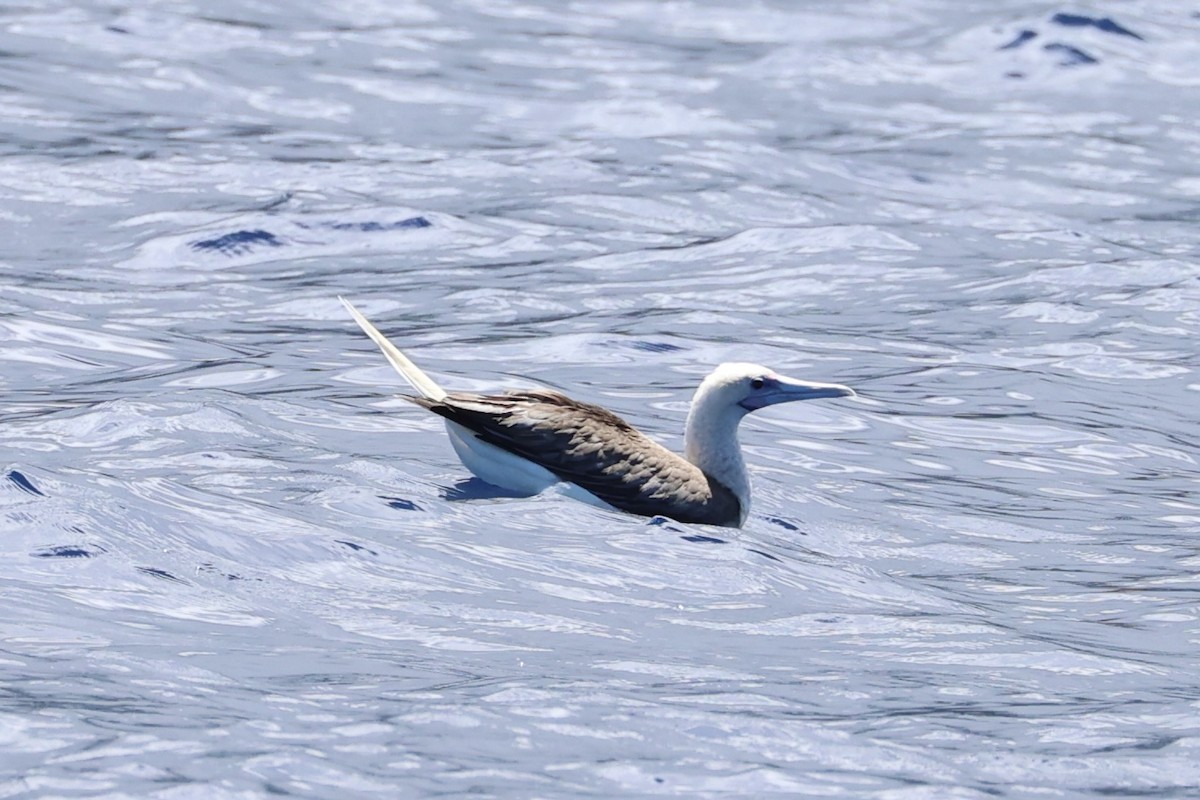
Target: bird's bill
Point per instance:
(779, 389)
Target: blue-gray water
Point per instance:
(236, 566)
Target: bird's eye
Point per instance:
(757, 383)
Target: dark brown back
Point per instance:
(591, 447)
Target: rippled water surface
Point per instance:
(236, 565)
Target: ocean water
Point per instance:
(235, 565)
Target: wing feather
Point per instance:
(593, 448)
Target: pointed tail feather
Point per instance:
(410, 371)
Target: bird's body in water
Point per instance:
(527, 441)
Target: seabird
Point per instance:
(527, 441)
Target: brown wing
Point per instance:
(593, 448)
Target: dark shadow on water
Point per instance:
(656, 347)
(208, 568)
(67, 551)
(1105, 24)
(787, 526)
(374, 227)
(238, 243)
(1020, 39)
(400, 504)
(161, 574)
(699, 538)
(1070, 56)
(358, 548)
(23, 483)
(666, 523)
(476, 489)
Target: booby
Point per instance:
(527, 441)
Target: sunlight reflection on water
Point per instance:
(237, 563)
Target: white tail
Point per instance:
(410, 371)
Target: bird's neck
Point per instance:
(711, 443)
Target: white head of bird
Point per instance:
(730, 392)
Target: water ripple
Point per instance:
(231, 551)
